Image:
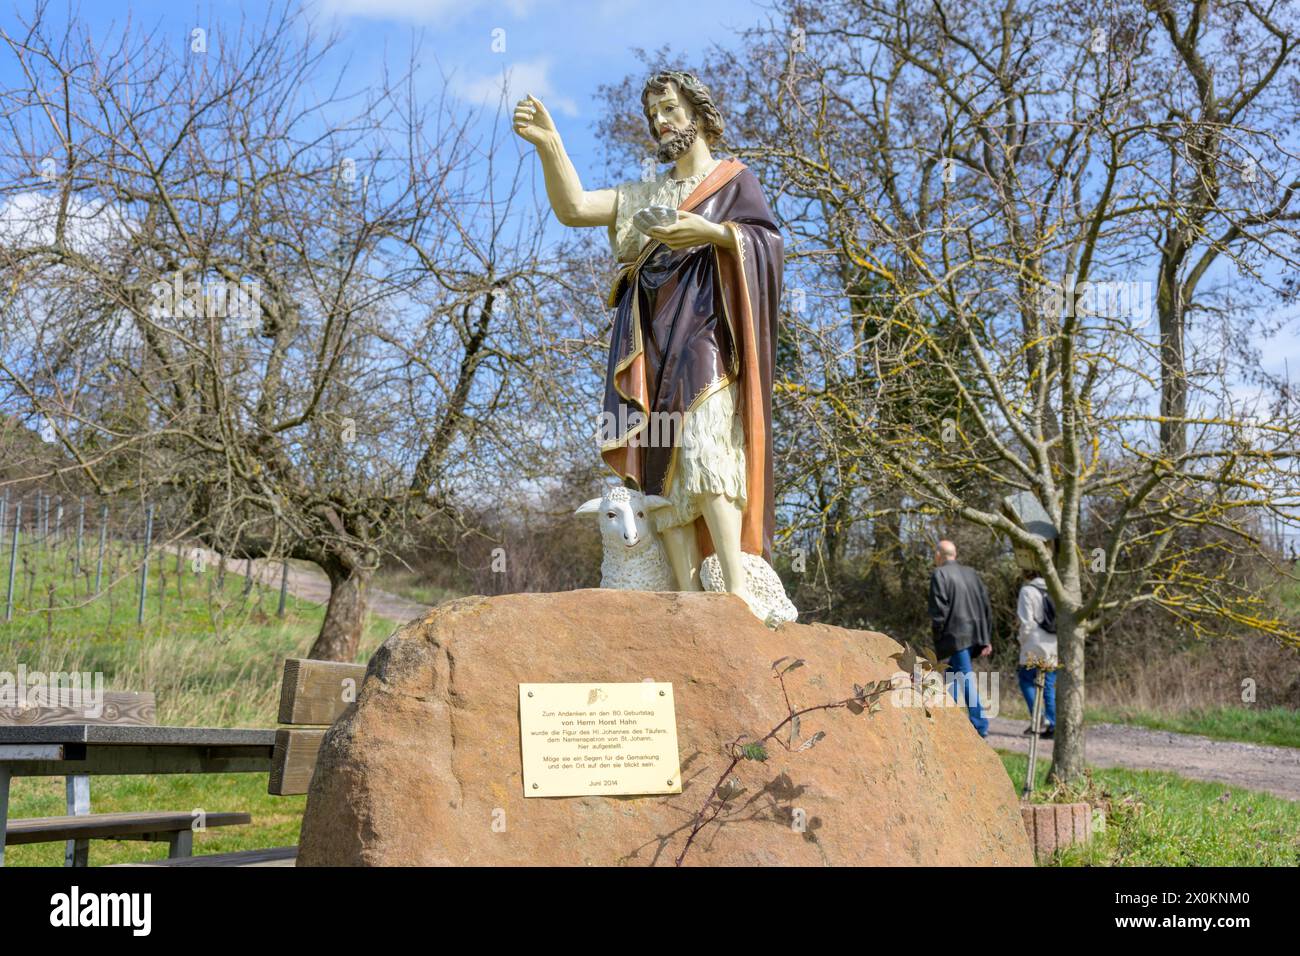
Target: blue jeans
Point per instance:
(964, 680)
(1027, 676)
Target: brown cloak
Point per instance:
(687, 323)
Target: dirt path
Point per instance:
(1274, 770)
(311, 584)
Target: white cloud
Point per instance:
(31, 218)
(521, 78)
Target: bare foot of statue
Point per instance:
(723, 516)
(750, 600)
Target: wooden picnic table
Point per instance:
(60, 750)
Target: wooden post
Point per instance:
(284, 586)
(103, 533)
(144, 563)
(13, 564)
(81, 529)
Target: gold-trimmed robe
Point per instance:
(688, 322)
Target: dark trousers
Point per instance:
(960, 678)
(1027, 676)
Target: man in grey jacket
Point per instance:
(961, 618)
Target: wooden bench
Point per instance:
(277, 856)
(62, 705)
(176, 828)
(313, 694)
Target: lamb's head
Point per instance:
(624, 517)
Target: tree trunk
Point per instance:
(1173, 371)
(1068, 747)
(340, 632)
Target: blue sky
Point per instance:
(558, 51)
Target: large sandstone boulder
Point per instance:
(425, 767)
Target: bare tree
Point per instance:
(1224, 98)
(969, 195)
(295, 311)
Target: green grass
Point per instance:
(212, 655)
(276, 820)
(1270, 726)
(1289, 591)
(1276, 726)
(1161, 819)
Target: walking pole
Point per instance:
(1039, 685)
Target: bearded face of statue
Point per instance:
(675, 142)
(672, 119)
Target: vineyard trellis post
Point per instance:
(284, 586)
(144, 564)
(103, 534)
(13, 560)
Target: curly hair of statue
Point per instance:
(697, 95)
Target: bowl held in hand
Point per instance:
(652, 217)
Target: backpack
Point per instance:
(1048, 623)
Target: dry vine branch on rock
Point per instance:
(865, 699)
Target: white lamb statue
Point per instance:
(634, 558)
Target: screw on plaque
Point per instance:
(530, 693)
(662, 693)
(536, 786)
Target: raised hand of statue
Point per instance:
(691, 230)
(533, 122)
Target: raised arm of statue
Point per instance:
(573, 205)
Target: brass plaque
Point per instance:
(611, 739)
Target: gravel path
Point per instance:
(1274, 770)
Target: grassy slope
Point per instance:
(412, 586)
(1276, 726)
(1271, 726)
(212, 657)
